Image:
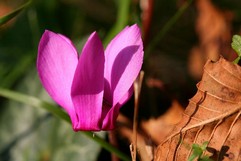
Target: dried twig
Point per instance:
(137, 91)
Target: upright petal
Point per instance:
(56, 64)
(124, 57)
(88, 85)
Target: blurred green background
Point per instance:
(32, 134)
(29, 133)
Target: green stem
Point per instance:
(166, 28)
(107, 146)
(35, 102)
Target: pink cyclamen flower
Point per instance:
(93, 86)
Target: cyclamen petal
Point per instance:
(93, 87)
(56, 63)
(124, 57)
(88, 85)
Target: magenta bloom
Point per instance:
(93, 86)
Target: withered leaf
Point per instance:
(213, 115)
(213, 27)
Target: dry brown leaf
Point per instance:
(213, 115)
(213, 27)
(4, 10)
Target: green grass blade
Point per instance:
(14, 13)
(55, 110)
(121, 19)
(35, 102)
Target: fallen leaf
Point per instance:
(213, 115)
(213, 27)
